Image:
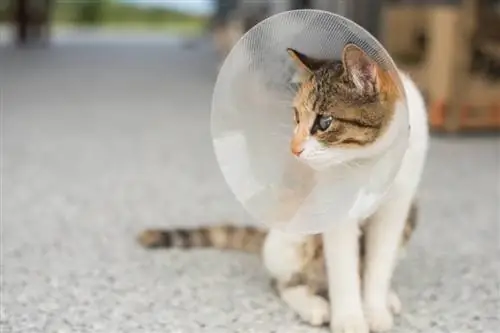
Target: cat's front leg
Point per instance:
(341, 245)
(383, 239)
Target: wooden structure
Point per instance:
(450, 47)
(463, 93)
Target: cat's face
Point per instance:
(341, 108)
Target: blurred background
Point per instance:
(105, 131)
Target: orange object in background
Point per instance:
(469, 117)
(437, 114)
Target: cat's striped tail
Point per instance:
(241, 238)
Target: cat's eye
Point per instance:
(324, 122)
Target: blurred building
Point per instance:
(364, 12)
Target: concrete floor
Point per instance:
(102, 139)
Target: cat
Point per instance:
(345, 110)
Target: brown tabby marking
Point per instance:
(248, 239)
(357, 93)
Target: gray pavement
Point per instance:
(103, 139)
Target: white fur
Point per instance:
(352, 311)
(385, 228)
(341, 245)
(311, 308)
(281, 254)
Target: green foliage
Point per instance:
(5, 8)
(111, 12)
(118, 13)
(89, 12)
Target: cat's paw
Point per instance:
(349, 323)
(311, 308)
(394, 303)
(316, 312)
(380, 318)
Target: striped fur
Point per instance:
(354, 92)
(247, 239)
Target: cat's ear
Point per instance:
(362, 69)
(304, 64)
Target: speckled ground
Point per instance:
(103, 136)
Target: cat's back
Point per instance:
(414, 160)
(419, 134)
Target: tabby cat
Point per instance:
(345, 110)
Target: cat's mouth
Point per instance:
(320, 158)
(317, 164)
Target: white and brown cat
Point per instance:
(344, 110)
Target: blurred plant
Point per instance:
(115, 13)
(90, 11)
(5, 10)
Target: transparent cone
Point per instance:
(252, 125)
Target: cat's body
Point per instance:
(303, 297)
(345, 110)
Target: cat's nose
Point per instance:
(298, 140)
(297, 151)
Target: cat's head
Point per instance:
(342, 107)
